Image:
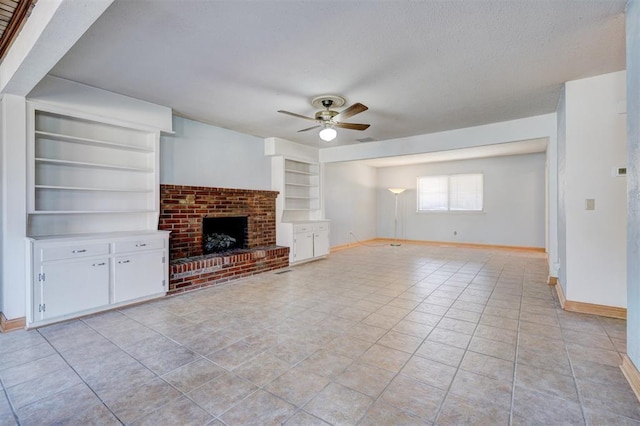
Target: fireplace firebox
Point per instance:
(224, 234)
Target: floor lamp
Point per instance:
(396, 192)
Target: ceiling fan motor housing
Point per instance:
(326, 115)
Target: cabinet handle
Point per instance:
(124, 261)
(99, 264)
(141, 245)
(79, 251)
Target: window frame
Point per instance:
(448, 206)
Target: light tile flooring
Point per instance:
(371, 336)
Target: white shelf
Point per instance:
(300, 184)
(79, 188)
(88, 141)
(91, 165)
(65, 212)
(300, 172)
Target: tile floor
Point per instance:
(371, 336)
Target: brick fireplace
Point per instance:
(182, 209)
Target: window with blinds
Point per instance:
(461, 192)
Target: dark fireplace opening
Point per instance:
(222, 234)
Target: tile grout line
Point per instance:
(515, 363)
(573, 373)
(6, 395)
(80, 377)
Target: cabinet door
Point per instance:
(321, 243)
(302, 246)
(138, 275)
(71, 287)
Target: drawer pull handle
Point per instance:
(141, 245)
(79, 251)
(99, 264)
(124, 261)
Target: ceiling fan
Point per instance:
(327, 119)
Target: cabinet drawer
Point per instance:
(321, 226)
(305, 227)
(74, 251)
(138, 245)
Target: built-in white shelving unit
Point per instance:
(301, 186)
(88, 174)
(300, 223)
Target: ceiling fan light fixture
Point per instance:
(328, 133)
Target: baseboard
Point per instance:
(560, 293)
(349, 245)
(592, 308)
(552, 280)
(632, 374)
(589, 308)
(462, 245)
(11, 324)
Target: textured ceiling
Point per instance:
(420, 66)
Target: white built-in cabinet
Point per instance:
(92, 214)
(310, 241)
(300, 224)
(75, 275)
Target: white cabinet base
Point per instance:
(79, 275)
(310, 241)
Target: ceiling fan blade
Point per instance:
(352, 126)
(309, 128)
(296, 115)
(354, 109)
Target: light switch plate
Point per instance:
(590, 204)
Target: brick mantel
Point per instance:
(182, 209)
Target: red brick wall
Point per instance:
(183, 207)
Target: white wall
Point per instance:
(203, 155)
(350, 201)
(562, 171)
(13, 275)
(514, 203)
(552, 204)
(633, 186)
(595, 264)
(2, 184)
